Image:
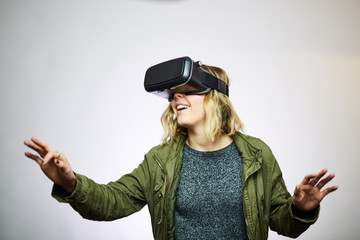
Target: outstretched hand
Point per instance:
(308, 194)
(54, 164)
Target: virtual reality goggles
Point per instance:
(181, 75)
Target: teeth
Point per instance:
(181, 107)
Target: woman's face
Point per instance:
(189, 110)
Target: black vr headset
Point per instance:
(181, 75)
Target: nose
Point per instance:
(178, 95)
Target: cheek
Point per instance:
(172, 105)
(199, 104)
(201, 113)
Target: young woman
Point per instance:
(206, 180)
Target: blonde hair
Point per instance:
(220, 116)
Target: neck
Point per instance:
(199, 141)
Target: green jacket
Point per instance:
(266, 201)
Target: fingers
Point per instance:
(328, 190)
(49, 156)
(313, 179)
(307, 178)
(38, 146)
(320, 175)
(35, 147)
(317, 177)
(34, 157)
(44, 151)
(41, 144)
(324, 181)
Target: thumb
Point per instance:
(297, 192)
(57, 162)
(60, 164)
(63, 167)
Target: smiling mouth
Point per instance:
(181, 107)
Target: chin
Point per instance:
(189, 123)
(184, 124)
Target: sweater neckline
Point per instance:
(221, 151)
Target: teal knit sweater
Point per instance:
(209, 200)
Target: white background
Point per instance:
(72, 75)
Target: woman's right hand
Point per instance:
(54, 164)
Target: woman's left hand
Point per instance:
(308, 195)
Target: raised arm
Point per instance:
(102, 202)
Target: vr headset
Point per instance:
(181, 75)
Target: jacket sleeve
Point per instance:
(107, 202)
(282, 218)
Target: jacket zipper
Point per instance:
(246, 212)
(163, 207)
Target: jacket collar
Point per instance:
(171, 150)
(250, 154)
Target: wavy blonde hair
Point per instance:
(220, 116)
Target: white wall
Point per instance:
(71, 73)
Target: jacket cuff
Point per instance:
(305, 217)
(61, 195)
